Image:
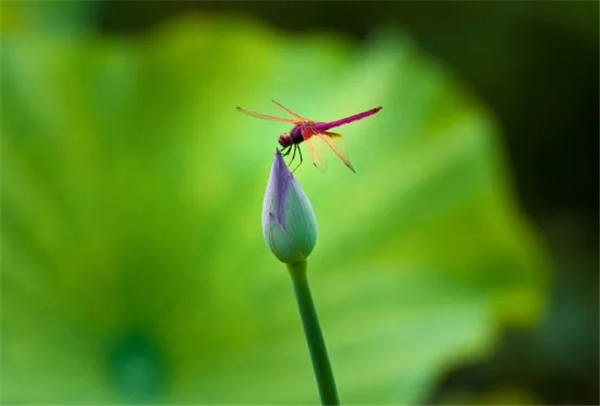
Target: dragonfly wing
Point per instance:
(266, 116)
(337, 145)
(295, 115)
(316, 154)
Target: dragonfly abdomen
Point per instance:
(320, 127)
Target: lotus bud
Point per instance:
(288, 221)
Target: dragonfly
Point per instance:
(307, 131)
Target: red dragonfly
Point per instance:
(306, 130)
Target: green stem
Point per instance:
(314, 337)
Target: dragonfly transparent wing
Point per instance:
(295, 115)
(316, 153)
(337, 145)
(266, 116)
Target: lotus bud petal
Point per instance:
(288, 221)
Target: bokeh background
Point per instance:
(459, 265)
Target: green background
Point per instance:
(133, 265)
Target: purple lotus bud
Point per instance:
(288, 221)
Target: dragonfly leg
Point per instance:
(293, 155)
(285, 151)
(300, 156)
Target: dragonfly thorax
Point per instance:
(296, 133)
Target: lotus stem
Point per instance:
(314, 336)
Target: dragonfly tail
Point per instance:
(349, 119)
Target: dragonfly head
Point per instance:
(285, 140)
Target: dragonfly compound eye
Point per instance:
(285, 140)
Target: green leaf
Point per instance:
(134, 269)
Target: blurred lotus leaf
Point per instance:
(134, 269)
